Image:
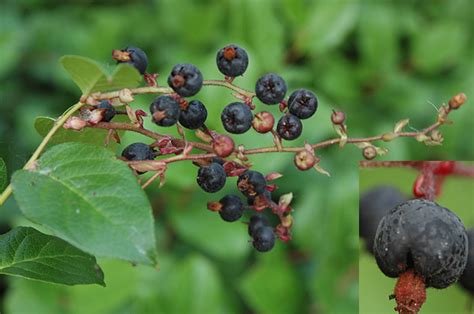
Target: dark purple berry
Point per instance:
(211, 178)
(109, 112)
(421, 235)
(132, 55)
(302, 103)
(137, 152)
(373, 206)
(194, 116)
(257, 221)
(263, 239)
(467, 278)
(165, 111)
(232, 60)
(232, 208)
(185, 79)
(237, 118)
(289, 127)
(251, 183)
(218, 160)
(270, 89)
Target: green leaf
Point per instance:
(3, 175)
(439, 46)
(87, 135)
(90, 199)
(26, 252)
(91, 77)
(327, 25)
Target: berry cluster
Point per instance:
(186, 80)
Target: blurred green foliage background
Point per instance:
(379, 61)
(374, 286)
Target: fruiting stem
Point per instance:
(410, 292)
(229, 85)
(29, 164)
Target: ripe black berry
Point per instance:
(109, 112)
(251, 183)
(185, 79)
(373, 206)
(270, 89)
(232, 208)
(132, 55)
(302, 103)
(232, 60)
(467, 278)
(421, 235)
(165, 110)
(194, 116)
(263, 239)
(137, 152)
(237, 118)
(211, 178)
(257, 221)
(289, 127)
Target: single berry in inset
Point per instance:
(211, 178)
(185, 79)
(194, 115)
(237, 118)
(289, 127)
(424, 236)
(270, 89)
(165, 110)
(263, 239)
(374, 204)
(231, 208)
(467, 278)
(256, 221)
(232, 60)
(263, 122)
(109, 110)
(302, 103)
(251, 183)
(132, 55)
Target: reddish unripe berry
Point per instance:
(338, 117)
(457, 101)
(263, 122)
(305, 160)
(223, 145)
(369, 152)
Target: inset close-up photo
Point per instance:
(416, 229)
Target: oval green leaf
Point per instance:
(91, 77)
(90, 199)
(28, 253)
